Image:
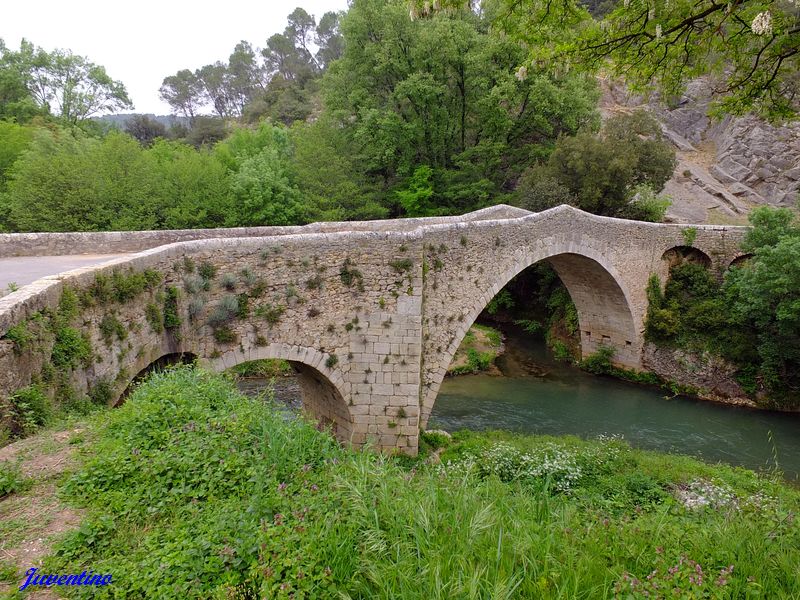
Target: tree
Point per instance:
(144, 129)
(65, 84)
(764, 296)
(328, 39)
(213, 80)
(602, 171)
(750, 47)
(183, 92)
(442, 92)
(245, 77)
(261, 179)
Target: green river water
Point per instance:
(540, 395)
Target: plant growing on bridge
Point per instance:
(402, 265)
(350, 275)
(228, 281)
(224, 312)
(71, 349)
(270, 313)
(154, 317)
(172, 319)
(111, 327)
(689, 234)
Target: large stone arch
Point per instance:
(323, 387)
(605, 313)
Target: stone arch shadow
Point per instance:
(603, 303)
(324, 390)
(160, 363)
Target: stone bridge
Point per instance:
(370, 314)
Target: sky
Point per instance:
(141, 43)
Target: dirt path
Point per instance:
(32, 518)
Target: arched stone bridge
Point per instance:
(370, 313)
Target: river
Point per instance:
(540, 395)
(537, 394)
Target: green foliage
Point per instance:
(266, 368)
(71, 349)
(12, 479)
(154, 317)
(270, 313)
(102, 392)
(172, 319)
(331, 361)
(188, 474)
(689, 234)
(415, 199)
(402, 265)
(503, 300)
(26, 410)
(120, 287)
(21, 336)
(225, 311)
(111, 327)
(599, 363)
(207, 271)
(615, 173)
(351, 276)
(224, 334)
(561, 351)
(432, 111)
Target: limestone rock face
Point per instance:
(725, 167)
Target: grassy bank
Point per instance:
(478, 350)
(193, 490)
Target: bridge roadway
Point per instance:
(22, 270)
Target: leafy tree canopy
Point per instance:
(751, 48)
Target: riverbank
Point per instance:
(193, 490)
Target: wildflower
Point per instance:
(282, 486)
(522, 73)
(658, 31)
(762, 24)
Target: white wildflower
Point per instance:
(626, 3)
(762, 24)
(522, 73)
(658, 31)
(651, 14)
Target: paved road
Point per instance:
(22, 270)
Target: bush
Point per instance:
(11, 479)
(599, 363)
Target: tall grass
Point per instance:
(196, 491)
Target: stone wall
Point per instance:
(370, 319)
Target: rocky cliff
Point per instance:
(725, 167)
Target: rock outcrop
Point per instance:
(725, 167)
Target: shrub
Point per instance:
(599, 363)
(71, 348)
(228, 281)
(154, 317)
(30, 408)
(402, 265)
(111, 327)
(21, 336)
(224, 335)
(207, 271)
(225, 311)
(172, 319)
(11, 479)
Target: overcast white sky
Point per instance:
(142, 43)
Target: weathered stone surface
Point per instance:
(711, 376)
(724, 153)
(370, 317)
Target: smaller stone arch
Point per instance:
(678, 255)
(162, 362)
(740, 261)
(322, 384)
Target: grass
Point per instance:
(193, 490)
(478, 350)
